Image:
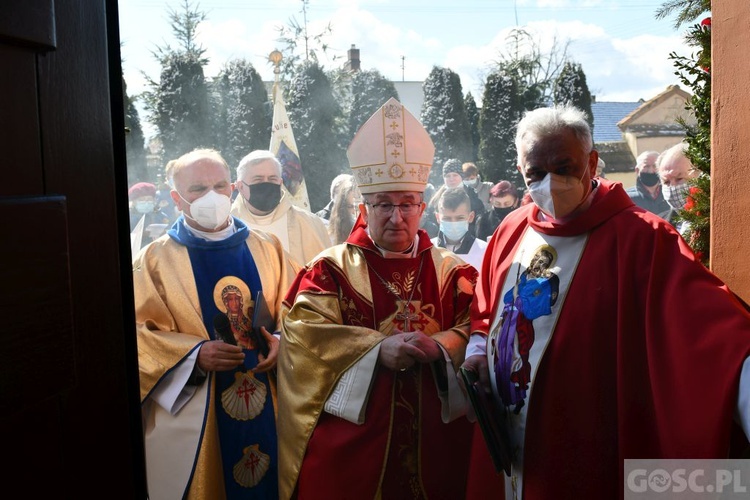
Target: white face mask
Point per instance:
(454, 231)
(676, 194)
(557, 195)
(472, 183)
(210, 210)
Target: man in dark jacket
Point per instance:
(647, 190)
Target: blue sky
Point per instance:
(623, 49)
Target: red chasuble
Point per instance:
(643, 360)
(339, 310)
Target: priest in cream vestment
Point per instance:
(264, 206)
(207, 389)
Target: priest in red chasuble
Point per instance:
(600, 333)
(374, 330)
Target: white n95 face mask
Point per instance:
(210, 210)
(557, 195)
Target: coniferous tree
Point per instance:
(314, 113)
(134, 141)
(533, 69)
(444, 118)
(687, 10)
(472, 114)
(178, 103)
(695, 73)
(531, 94)
(182, 112)
(246, 108)
(522, 80)
(369, 90)
(571, 88)
(341, 85)
(502, 108)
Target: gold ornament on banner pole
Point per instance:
(283, 144)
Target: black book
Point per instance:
(223, 329)
(493, 420)
(262, 317)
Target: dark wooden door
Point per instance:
(69, 404)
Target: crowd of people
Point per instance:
(661, 187)
(286, 354)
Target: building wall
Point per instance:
(660, 116)
(640, 144)
(632, 142)
(626, 178)
(667, 111)
(730, 144)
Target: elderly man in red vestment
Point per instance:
(375, 329)
(638, 351)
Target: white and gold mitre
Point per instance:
(391, 152)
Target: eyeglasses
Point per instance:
(386, 209)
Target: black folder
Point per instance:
(262, 317)
(493, 420)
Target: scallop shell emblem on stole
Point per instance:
(245, 398)
(252, 467)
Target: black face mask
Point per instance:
(649, 179)
(264, 196)
(501, 212)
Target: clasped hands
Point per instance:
(402, 350)
(217, 355)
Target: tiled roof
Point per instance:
(606, 116)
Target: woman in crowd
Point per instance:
(344, 211)
(504, 198)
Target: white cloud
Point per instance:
(234, 39)
(616, 68)
(649, 54)
(553, 4)
(560, 4)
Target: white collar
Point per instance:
(213, 236)
(408, 254)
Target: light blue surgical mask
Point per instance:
(454, 231)
(144, 207)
